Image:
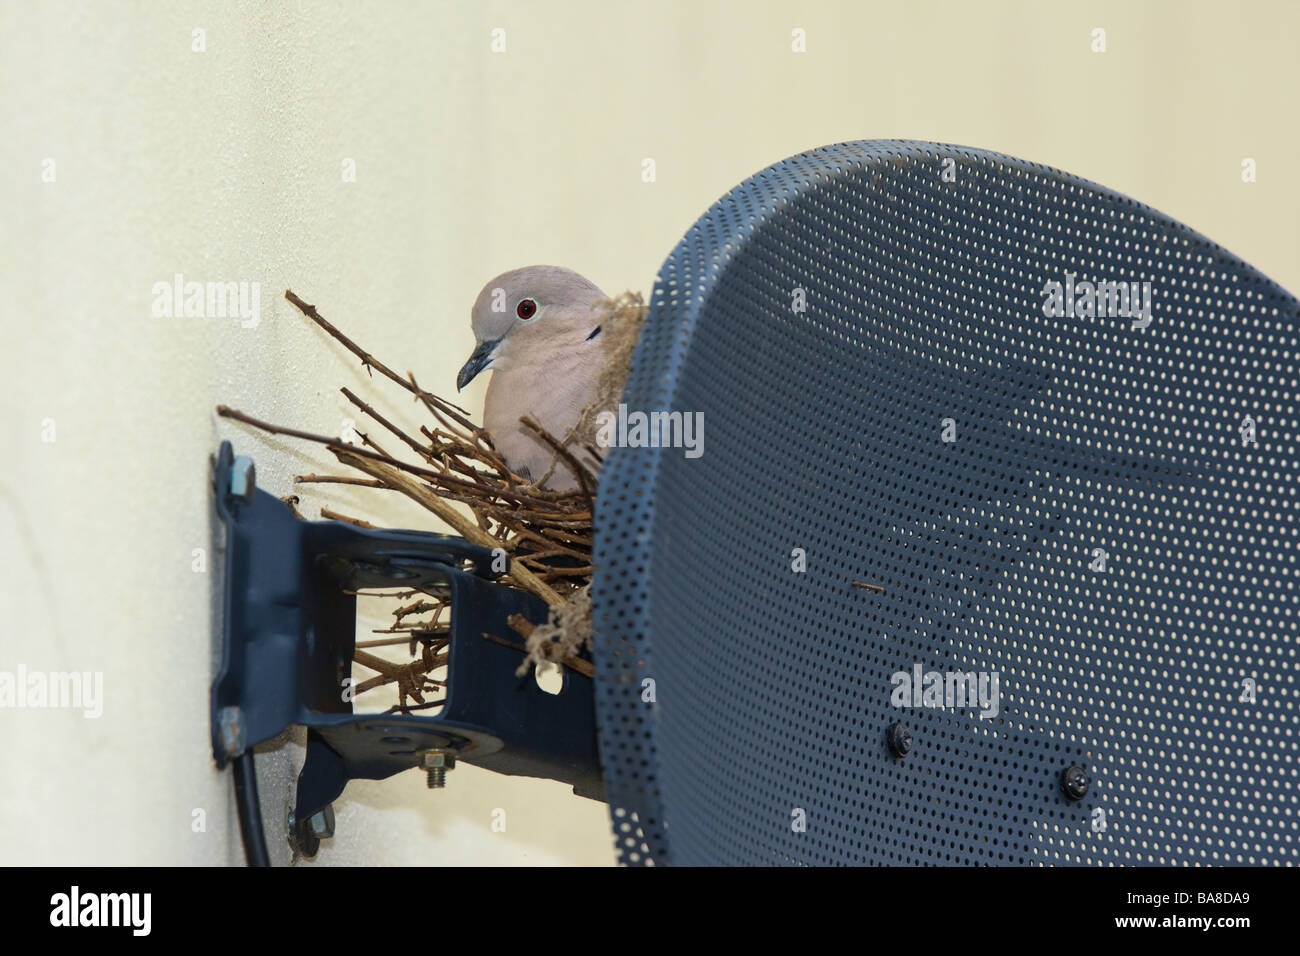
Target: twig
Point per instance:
(535, 497)
(579, 471)
(419, 449)
(367, 360)
(337, 480)
(465, 528)
(573, 663)
(336, 516)
(386, 642)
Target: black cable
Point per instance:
(250, 810)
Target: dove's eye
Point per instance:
(526, 309)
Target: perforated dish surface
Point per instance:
(1072, 503)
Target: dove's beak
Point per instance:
(478, 361)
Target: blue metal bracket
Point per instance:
(289, 634)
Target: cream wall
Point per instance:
(225, 165)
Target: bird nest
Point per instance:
(451, 469)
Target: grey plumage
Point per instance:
(545, 363)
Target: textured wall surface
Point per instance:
(128, 157)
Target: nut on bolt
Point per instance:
(321, 823)
(900, 740)
(1074, 783)
(243, 479)
(436, 763)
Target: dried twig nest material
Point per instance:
(449, 468)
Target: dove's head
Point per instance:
(530, 310)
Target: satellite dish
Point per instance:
(971, 426)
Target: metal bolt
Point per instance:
(322, 822)
(436, 764)
(243, 479)
(1074, 782)
(299, 842)
(231, 722)
(900, 740)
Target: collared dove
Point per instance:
(537, 329)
